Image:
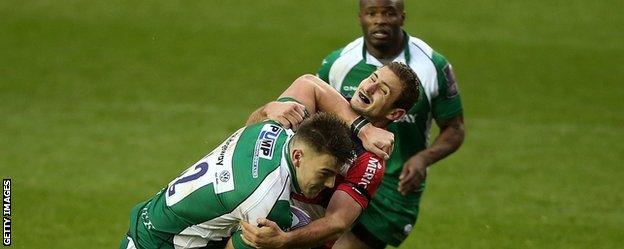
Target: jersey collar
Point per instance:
(403, 57)
(291, 167)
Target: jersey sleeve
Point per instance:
(323, 71)
(448, 103)
(363, 178)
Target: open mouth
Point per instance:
(380, 34)
(364, 99)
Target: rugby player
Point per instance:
(249, 176)
(381, 98)
(393, 212)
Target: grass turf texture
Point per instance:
(103, 103)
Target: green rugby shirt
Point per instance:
(249, 176)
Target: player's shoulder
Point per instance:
(349, 48)
(418, 47)
(345, 54)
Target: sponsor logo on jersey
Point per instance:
(145, 217)
(265, 145)
(224, 176)
(349, 89)
(409, 118)
(266, 140)
(224, 148)
(371, 169)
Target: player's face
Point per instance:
(315, 171)
(376, 94)
(381, 22)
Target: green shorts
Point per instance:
(388, 219)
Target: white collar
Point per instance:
(371, 60)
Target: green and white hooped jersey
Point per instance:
(248, 176)
(439, 98)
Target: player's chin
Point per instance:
(381, 43)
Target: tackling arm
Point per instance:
(316, 95)
(339, 216)
(341, 212)
(312, 94)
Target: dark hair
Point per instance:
(410, 82)
(399, 4)
(327, 134)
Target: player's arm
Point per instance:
(448, 141)
(339, 216)
(316, 95)
(306, 94)
(447, 111)
(288, 113)
(345, 205)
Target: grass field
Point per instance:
(103, 102)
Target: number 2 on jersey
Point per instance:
(203, 168)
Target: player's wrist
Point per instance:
(358, 125)
(423, 159)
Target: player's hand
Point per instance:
(376, 140)
(413, 174)
(266, 235)
(289, 114)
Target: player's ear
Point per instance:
(402, 18)
(296, 157)
(395, 114)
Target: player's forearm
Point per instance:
(316, 95)
(448, 141)
(330, 100)
(316, 233)
(341, 212)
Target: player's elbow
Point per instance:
(306, 79)
(460, 134)
(454, 132)
(304, 82)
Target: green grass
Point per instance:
(102, 103)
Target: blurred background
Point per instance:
(102, 103)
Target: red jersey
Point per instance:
(360, 180)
